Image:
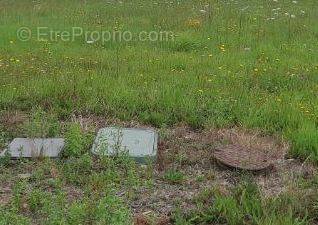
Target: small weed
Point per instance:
(181, 158)
(186, 43)
(36, 200)
(200, 178)
(77, 213)
(179, 218)
(18, 195)
(74, 141)
(76, 170)
(205, 196)
(174, 177)
(5, 160)
(111, 210)
(41, 125)
(10, 217)
(3, 138)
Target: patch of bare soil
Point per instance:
(284, 176)
(5, 193)
(191, 153)
(12, 120)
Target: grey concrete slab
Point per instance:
(139, 143)
(32, 148)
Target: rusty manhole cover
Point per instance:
(245, 158)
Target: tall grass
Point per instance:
(250, 63)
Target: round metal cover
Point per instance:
(240, 157)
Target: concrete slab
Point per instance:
(33, 148)
(139, 143)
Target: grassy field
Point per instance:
(251, 64)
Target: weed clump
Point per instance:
(174, 177)
(244, 204)
(75, 143)
(41, 125)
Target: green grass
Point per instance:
(232, 65)
(46, 196)
(244, 205)
(225, 67)
(174, 177)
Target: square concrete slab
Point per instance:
(139, 143)
(32, 148)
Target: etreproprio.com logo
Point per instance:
(75, 33)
